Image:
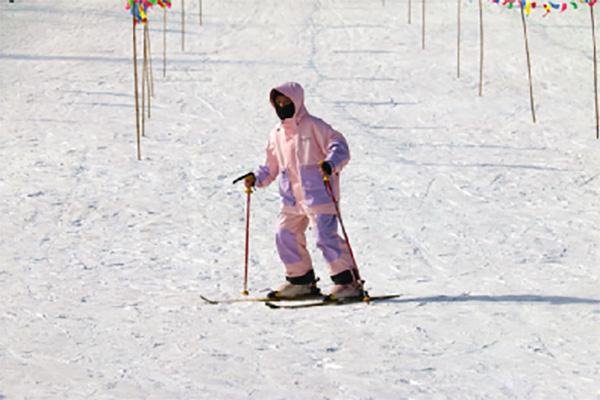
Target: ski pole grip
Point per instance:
(236, 180)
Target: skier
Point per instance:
(302, 150)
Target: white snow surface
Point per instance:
(487, 223)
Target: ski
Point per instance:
(259, 299)
(326, 301)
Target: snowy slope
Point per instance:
(487, 223)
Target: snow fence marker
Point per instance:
(200, 11)
(595, 71)
(458, 12)
(182, 25)
(423, 25)
(480, 48)
(137, 102)
(164, 42)
(527, 53)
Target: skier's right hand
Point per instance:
(250, 180)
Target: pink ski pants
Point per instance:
(291, 243)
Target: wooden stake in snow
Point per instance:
(200, 12)
(182, 25)
(531, 101)
(480, 48)
(458, 40)
(423, 31)
(137, 107)
(164, 42)
(151, 74)
(595, 72)
(144, 81)
(147, 80)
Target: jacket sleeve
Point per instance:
(266, 173)
(338, 153)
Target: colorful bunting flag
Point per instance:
(547, 6)
(139, 8)
(164, 3)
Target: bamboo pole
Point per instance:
(423, 26)
(164, 42)
(182, 25)
(595, 72)
(137, 107)
(144, 82)
(200, 12)
(480, 48)
(458, 40)
(148, 69)
(409, 12)
(531, 100)
(150, 62)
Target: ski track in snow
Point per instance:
(487, 223)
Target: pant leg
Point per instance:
(334, 248)
(291, 244)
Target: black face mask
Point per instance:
(285, 112)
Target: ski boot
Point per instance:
(347, 285)
(301, 287)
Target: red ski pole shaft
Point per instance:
(247, 246)
(339, 216)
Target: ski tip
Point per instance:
(209, 301)
(272, 305)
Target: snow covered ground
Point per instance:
(487, 223)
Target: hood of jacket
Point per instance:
(295, 92)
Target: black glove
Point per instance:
(249, 179)
(326, 168)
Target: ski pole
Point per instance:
(339, 216)
(247, 244)
(247, 247)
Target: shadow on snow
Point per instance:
(515, 298)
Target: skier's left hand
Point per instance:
(326, 168)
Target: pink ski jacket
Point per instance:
(294, 150)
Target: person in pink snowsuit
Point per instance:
(301, 150)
